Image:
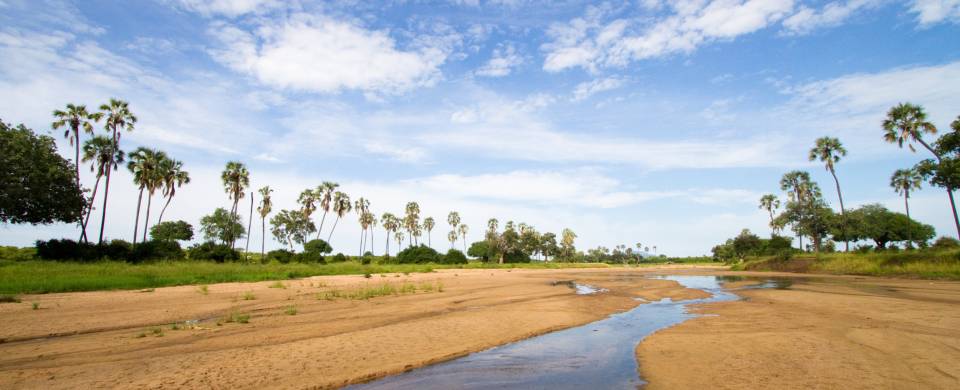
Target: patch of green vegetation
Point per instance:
(924, 264)
(278, 284)
(290, 311)
(203, 289)
(35, 306)
(248, 296)
(235, 317)
(7, 298)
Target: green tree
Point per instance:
(463, 229)
(222, 226)
(429, 223)
(341, 206)
(236, 179)
(145, 165)
(362, 207)
(548, 245)
(99, 151)
(481, 250)
(903, 181)
(73, 119)
(567, 248)
(829, 150)
(411, 221)
(882, 226)
(768, 202)
(36, 184)
(118, 117)
(325, 192)
(390, 225)
(290, 227)
(907, 123)
(173, 177)
(172, 231)
(265, 208)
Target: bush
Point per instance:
(339, 258)
(367, 258)
(13, 253)
(172, 231)
(282, 256)
(157, 250)
(77, 251)
(945, 242)
(418, 254)
(212, 251)
(454, 256)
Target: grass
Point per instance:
(290, 311)
(910, 264)
(248, 296)
(380, 290)
(203, 289)
(278, 284)
(35, 306)
(37, 277)
(7, 298)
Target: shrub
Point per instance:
(339, 258)
(212, 251)
(282, 256)
(116, 250)
(79, 251)
(317, 246)
(946, 243)
(13, 253)
(172, 231)
(157, 250)
(454, 256)
(418, 254)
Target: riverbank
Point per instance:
(916, 264)
(318, 331)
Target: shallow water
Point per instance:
(599, 354)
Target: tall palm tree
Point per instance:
(829, 150)
(118, 117)
(100, 151)
(908, 123)
(452, 237)
(428, 224)
(266, 206)
(903, 181)
(398, 235)
(146, 164)
(795, 183)
(236, 179)
(173, 177)
(770, 203)
(411, 220)
(308, 202)
(362, 207)
(463, 229)
(371, 220)
(75, 118)
(325, 192)
(389, 223)
(341, 206)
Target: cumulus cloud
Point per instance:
(589, 88)
(502, 62)
(931, 12)
(591, 43)
(807, 19)
(228, 8)
(322, 54)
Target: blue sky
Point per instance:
(660, 122)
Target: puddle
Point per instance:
(599, 354)
(580, 289)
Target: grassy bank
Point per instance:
(907, 264)
(28, 277)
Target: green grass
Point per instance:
(37, 277)
(248, 296)
(909, 264)
(290, 311)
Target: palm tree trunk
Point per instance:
(324, 218)
(843, 228)
(86, 219)
(146, 221)
(372, 242)
(953, 205)
(164, 209)
(246, 247)
(464, 244)
(106, 194)
(387, 250)
(363, 233)
(430, 238)
(263, 237)
(76, 163)
(136, 222)
(333, 228)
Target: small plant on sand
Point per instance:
(147, 290)
(329, 295)
(248, 296)
(426, 286)
(439, 286)
(278, 284)
(237, 317)
(175, 326)
(156, 331)
(367, 275)
(4, 298)
(408, 288)
(141, 335)
(36, 306)
(290, 311)
(203, 289)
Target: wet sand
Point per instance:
(820, 333)
(105, 339)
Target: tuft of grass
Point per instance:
(203, 289)
(175, 326)
(278, 284)
(290, 311)
(6, 298)
(367, 275)
(248, 296)
(36, 306)
(156, 331)
(439, 286)
(235, 317)
(141, 335)
(426, 286)
(329, 295)
(408, 288)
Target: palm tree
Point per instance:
(428, 224)
(308, 202)
(829, 151)
(266, 206)
(411, 221)
(146, 165)
(118, 117)
(371, 221)
(236, 179)
(99, 149)
(463, 229)
(362, 207)
(907, 122)
(794, 183)
(770, 203)
(389, 223)
(341, 206)
(325, 192)
(452, 237)
(74, 118)
(903, 181)
(173, 177)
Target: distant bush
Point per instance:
(944, 242)
(314, 251)
(339, 258)
(66, 250)
(12, 253)
(418, 254)
(212, 251)
(281, 256)
(118, 250)
(157, 250)
(454, 256)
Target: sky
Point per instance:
(653, 122)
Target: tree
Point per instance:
(908, 123)
(746, 243)
(37, 186)
(829, 151)
(903, 181)
(236, 179)
(567, 248)
(118, 117)
(480, 250)
(266, 206)
(172, 231)
(390, 224)
(452, 237)
(325, 192)
(145, 165)
(173, 177)
(882, 226)
(768, 202)
(800, 188)
(341, 206)
(428, 223)
(548, 245)
(222, 226)
(101, 152)
(74, 118)
(362, 208)
(945, 170)
(291, 226)
(463, 229)
(411, 220)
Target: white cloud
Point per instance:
(590, 43)
(589, 88)
(321, 54)
(229, 8)
(807, 19)
(935, 11)
(502, 63)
